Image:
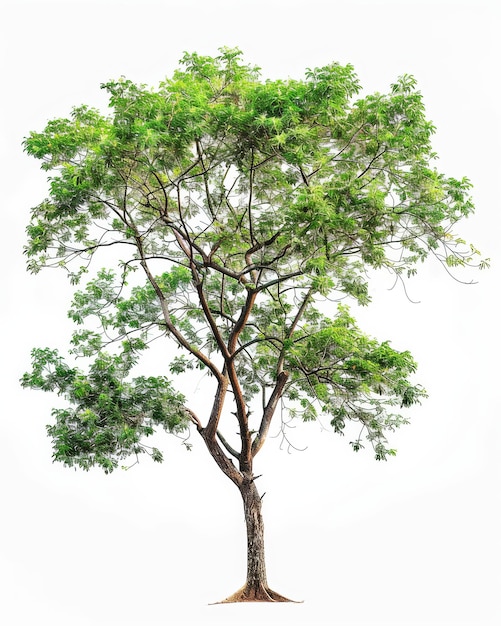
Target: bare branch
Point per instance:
(268, 413)
(228, 447)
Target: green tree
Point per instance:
(248, 207)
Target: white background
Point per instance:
(410, 541)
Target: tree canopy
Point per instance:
(253, 211)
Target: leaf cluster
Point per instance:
(340, 372)
(108, 416)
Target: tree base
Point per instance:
(255, 594)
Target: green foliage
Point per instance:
(108, 417)
(245, 203)
(352, 377)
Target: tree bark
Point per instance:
(256, 587)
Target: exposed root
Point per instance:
(252, 594)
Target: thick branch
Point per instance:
(223, 462)
(217, 408)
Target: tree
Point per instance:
(249, 207)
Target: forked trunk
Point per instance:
(256, 587)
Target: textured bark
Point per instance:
(256, 587)
(224, 463)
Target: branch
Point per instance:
(266, 338)
(280, 279)
(242, 417)
(242, 321)
(181, 339)
(249, 205)
(211, 321)
(223, 462)
(228, 447)
(187, 245)
(304, 177)
(166, 197)
(205, 177)
(269, 410)
(193, 418)
(217, 407)
(245, 457)
(258, 246)
(372, 161)
(292, 328)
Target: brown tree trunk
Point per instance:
(256, 587)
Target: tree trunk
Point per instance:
(256, 587)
